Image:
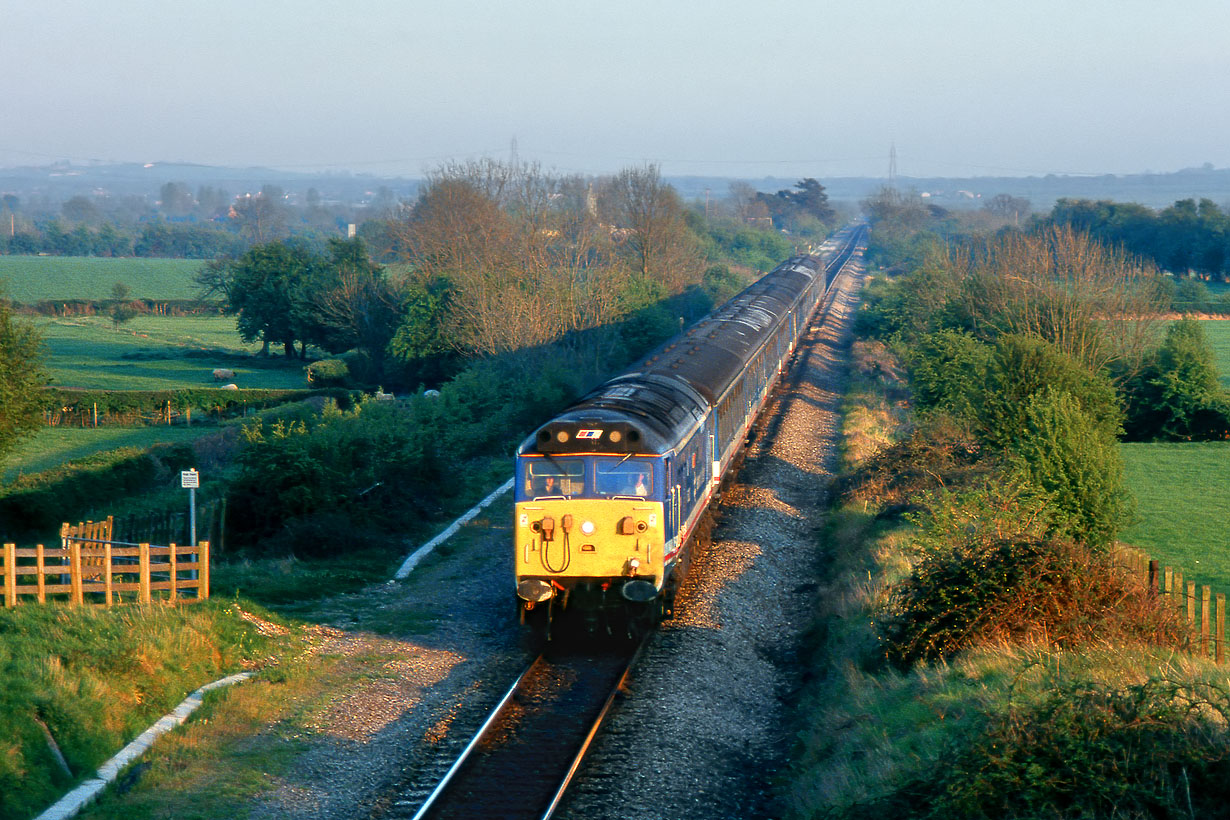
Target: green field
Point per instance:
(1184, 507)
(1218, 333)
(29, 279)
(52, 446)
(157, 353)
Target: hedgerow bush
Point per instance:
(135, 406)
(948, 371)
(1177, 395)
(985, 572)
(1158, 750)
(328, 373)
(1022, 366)
(1065, 453)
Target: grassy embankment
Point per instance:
(881, 737)
(95, 678)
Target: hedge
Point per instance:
(77, 407)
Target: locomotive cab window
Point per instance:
(631, 476)
(554, 477)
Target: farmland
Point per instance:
(1180, 488)
(156, 353)
(49, 447)
(30, 279)
(1218, 333)
(1183, 506)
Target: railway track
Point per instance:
(523, 758)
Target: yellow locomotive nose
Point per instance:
(563, 542)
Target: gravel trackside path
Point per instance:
(703, 731)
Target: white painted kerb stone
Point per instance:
(422, 552)
(71, 803)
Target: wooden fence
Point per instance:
(86, 569)
(1204, 610)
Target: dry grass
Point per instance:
(876, 413)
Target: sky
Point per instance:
(740, 89)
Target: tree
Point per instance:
(1094, 303)
(349, 304)
(1177, 395)
(1008, 207)
(522, 255)
(261, 218)
(808, 200)
(176, 199)
(656, 239)
(122, 308)
(21, 377)
(80, 210)
(260, 289)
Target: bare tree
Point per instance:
(1094, 303)
(525, 259)
(654, 234)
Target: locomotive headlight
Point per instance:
(587, 527)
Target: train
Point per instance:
(610, 493)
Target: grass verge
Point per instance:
(98, 677)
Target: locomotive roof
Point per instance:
(664, 395)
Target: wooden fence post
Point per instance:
(40, 564)
(143, 568)
(1191, 605)
(10, 575)
(74, 569)
(202, 590)
(1219, 652)
(174, 573)
(1153, 579)
(107, 572)
(1205, 595)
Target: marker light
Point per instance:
(587, 527)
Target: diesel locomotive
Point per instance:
(610, 492)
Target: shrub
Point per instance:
(328, 373)
(1062, 451)
(1157, 749)
(948, 371)
(986, 573)
(1022, 366)
(1177, 395)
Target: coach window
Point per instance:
(631, 476)
(554, 477)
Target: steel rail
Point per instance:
(593, 731)
(429, 803)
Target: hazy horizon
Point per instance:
(724, 89)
